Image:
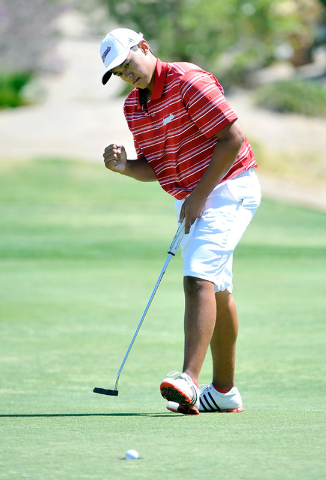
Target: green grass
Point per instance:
(80, 252)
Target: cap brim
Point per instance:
(106, 77)
(116, 62)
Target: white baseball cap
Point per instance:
(115, 48)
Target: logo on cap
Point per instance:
(105, 53)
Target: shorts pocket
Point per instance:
(245, 190)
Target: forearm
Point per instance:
(140, 170)
(224, 155)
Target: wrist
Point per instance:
(200, 194)
(126, 170)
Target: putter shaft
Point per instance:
(142, 318)
(171, 252)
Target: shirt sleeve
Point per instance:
(138, 150)
(204, 100)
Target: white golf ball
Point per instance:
(132, 455)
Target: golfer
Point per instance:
(189, 139)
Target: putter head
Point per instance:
(104, 391)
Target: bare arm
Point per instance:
(115, 159)
(224, 155)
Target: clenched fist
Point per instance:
(115, 158)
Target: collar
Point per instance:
(159, 81)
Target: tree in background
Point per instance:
(229, 38)
(27, 33)
(27, 38)
(321, 36)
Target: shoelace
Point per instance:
(173, 373)
(202, 387)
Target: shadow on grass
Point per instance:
(36, 415)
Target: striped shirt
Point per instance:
(175, 130)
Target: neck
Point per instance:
(148, 94)
(144, 96)
(150, 87)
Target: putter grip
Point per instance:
(177, 239)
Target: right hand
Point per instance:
(193, 207)
(115, 158)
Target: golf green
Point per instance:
(80, 252)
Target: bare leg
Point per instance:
(223, 342)
(210, 319)
(199, 323)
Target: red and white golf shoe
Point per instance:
(181, 390)
(211, 400)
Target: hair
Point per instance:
(135, 47)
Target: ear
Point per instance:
(143, 45)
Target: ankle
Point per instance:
(222, 388)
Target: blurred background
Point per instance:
(269, 55)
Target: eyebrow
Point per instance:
(120, 66)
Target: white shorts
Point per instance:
(208, 248)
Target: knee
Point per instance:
(224, 299)
(195, 286)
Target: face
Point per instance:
(138, 68)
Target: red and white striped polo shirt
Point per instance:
(175, 132)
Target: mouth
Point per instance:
(136, 81)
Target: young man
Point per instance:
(189, 139)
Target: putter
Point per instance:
(171, 253)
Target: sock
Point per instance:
(221, 391)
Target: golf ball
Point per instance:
(132, 455)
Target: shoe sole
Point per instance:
(228, 410)
(172, 393)
(190, 410)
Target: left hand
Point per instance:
(192, 208)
